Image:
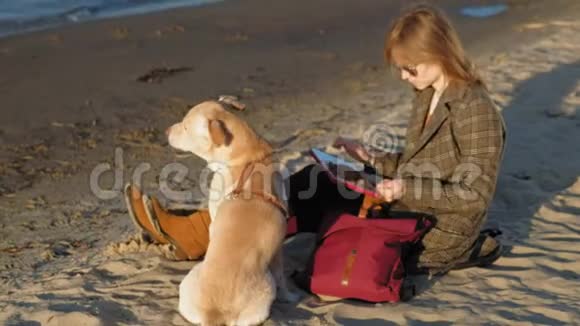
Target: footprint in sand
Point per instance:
(70, 318)
(54, 39)
(119, 269)
(120, 33)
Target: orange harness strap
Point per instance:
(237, 192)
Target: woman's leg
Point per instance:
(443, 249)
(314, 196)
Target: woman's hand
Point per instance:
(391, 190)
(355, 149)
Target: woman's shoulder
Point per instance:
(470, 97)
(475, 106)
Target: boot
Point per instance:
(187, 233)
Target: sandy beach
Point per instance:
(77, 97)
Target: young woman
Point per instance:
(454, 143)
(449, 168)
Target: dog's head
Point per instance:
(214, 134)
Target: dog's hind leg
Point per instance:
(257, 309)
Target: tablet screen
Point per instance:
(348, 172)
(325, 158)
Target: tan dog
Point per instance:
(234, 285)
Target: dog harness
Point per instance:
(238, 191)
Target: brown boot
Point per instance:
(189, 234)
(137, 211)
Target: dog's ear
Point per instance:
(219, 134)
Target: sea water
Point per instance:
(17, 16)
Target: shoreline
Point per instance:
(83, 14)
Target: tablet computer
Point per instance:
(351, 173)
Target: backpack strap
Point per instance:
(369, 204)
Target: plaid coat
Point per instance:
(449, 168)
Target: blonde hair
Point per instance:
(424, 34)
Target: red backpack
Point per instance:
(362, 258)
